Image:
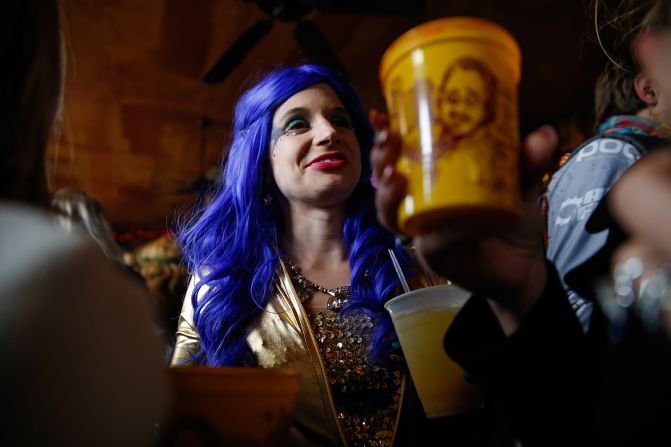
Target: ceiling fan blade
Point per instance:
(240, 48)
(287, 10)
(317, 47)
(381, 7)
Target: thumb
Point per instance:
(537, 155)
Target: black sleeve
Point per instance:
(536, 380)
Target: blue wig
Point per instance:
(233, 245)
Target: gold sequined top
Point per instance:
(286, 337)
(366, 396)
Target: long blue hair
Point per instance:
(232, 246)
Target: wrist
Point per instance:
(535, 286)
(511, 310)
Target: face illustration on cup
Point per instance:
(421, 318)
(451, 92)
(466, 98)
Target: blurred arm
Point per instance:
(641, 199)
(188, 340)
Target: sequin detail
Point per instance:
(366, 396)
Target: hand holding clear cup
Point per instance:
(455, 188)
(510, 266)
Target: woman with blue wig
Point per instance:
(290, 266)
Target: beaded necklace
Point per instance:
(337, 295)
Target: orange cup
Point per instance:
(231, 406)
(451, 92)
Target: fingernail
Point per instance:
(386, 173)
(373, 181)
(381, 137)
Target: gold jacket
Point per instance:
(283, 338)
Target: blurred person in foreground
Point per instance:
(555, 377)
(640, 200)
(81, 365)
(290, 267)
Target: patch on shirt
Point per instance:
(578, 207)
(607, 146)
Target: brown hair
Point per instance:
(76, 209)
(617, 24)
(30, 91)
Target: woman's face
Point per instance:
(463, 102)
(314, 155)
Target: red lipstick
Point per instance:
(329, 160)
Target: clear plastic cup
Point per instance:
(421, 318)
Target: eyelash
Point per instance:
(338, 121)
(293, 123)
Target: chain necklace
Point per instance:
(337, 295)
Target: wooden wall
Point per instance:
(133, 95)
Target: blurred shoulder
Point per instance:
(40, 262)
(77, 332)
(30, 241)
(25, 226)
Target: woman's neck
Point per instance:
(313, 237)
(315, 243)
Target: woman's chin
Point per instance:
(332, 197)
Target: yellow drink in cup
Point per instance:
(451, 92)
(421, 318)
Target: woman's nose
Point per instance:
(326, 133)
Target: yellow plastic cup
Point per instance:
(451, 92)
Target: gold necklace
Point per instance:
(337, 295)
